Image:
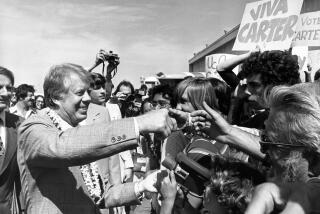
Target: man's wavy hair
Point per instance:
(276, 67)
(22, 91)
(57, 81)
(299, 120)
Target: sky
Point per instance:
(150, 36)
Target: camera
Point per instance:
(130, 106)
(111, 57)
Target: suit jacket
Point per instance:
(109, 168)
(49, 161)
(9, 172)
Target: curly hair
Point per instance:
(276, 67)
(22, 91)
(232, 181)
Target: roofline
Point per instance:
(216, 44)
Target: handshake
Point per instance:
(206, 123)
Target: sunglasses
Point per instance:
(266, 146)
(161, 104)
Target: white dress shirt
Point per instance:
(3, 130)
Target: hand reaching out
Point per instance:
(168, 185)
(210, 122)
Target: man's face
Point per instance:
(74, 104)
(287, 163)
(5, 92)
(255, 87)
(14, 99)
(98, 95)
(159, 101)
(28, 100)
(125, 91)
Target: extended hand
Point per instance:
(157, 121)
(149, 183)
(210, 122)
(181, 117)
(168, 185)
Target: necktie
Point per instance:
(2, 148)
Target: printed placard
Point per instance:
(271, 24)
(212, 61)
(308, 30)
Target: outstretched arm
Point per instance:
(216, 127)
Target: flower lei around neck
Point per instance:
(89, 172)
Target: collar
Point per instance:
(13, 109)
(3, 115)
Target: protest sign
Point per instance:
(271, 24)
(213, 60)
(314, 61)
(308, 30)
(302, 53)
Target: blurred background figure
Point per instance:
(97, 90)
(39, 102)
(25, 97)
(13, 99)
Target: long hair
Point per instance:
(198, 90)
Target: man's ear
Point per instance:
(56, 102)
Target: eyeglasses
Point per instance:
(160, 103)
(266, 146)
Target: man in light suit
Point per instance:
(51, 147)
(97, 113)
(9, 173)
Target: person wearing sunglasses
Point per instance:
(161, 96)
(293, 150)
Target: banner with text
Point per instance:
(302, 54)
(213, 60)
(271, 24)
(308, 30)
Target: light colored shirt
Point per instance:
(15, 110)
(3, 129)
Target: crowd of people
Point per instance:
(245, 143)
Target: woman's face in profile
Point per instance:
(184, 103)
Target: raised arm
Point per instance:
(225, 68)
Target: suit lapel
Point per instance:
(11, 147)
